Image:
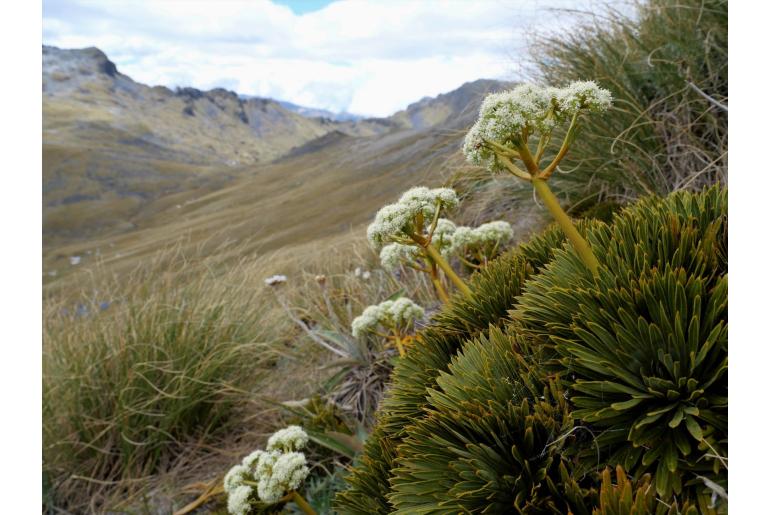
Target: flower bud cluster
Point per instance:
(275, 471)
(399, 313)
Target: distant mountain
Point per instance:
(312, 112)
(83, 91)
(457, 108)
(118, 155)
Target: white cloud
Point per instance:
(364, 56)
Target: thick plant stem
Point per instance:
(580, 244)
(400, 346)
(437, 258)
(442, 294)
(302, 503)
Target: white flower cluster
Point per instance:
(292, 438)
(586, 95)
(279, 469)
(485, 235)
(394, 254)
(395, 220)
(504, 116)
(279, 473)
(442, 236)
(391, 313)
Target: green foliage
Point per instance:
(644, 346)
(464, 456)
(494, 292)
(517, 403)
(667, 70)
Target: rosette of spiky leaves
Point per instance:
(495, 290)
(644, 344)
(624, 495)
(490, 439)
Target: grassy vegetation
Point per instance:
(183, 360)
(666, 67)
(667, 71)
(139, 369)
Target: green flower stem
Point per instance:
(564, 148)
(528, 160)
(580, 244)
(437, 258)
(442, 294)
(302, 503)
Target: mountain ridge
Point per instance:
(124, 163)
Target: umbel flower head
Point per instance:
(279, 473)
(483, 237)
(292, 438)
(394, 255)
(275, 471)
(393, 314)
(507, 119)
(412, 214)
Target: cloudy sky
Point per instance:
(370, 57)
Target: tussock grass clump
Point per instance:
(131, 382)
(666, 68)
(525, 402)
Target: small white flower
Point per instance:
(366, 275)
(74, 260)
(234, 477)
(498, 232)
(238, 500)
(404, 311)
(287, 472)
(292, 438)
(357, 271)
(275, 279)
(265, 462)
(391, 313)
(250, 461)
(463, 238)
(290, 470)
(585, 95)
(398, 220)
(485, 236)
(442, 236)
(394, 255)
(366, 321)
(269, 490)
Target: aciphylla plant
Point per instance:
(270, 477)
(526, 395)
(396, 317)
(412, 229)
(516, 127)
